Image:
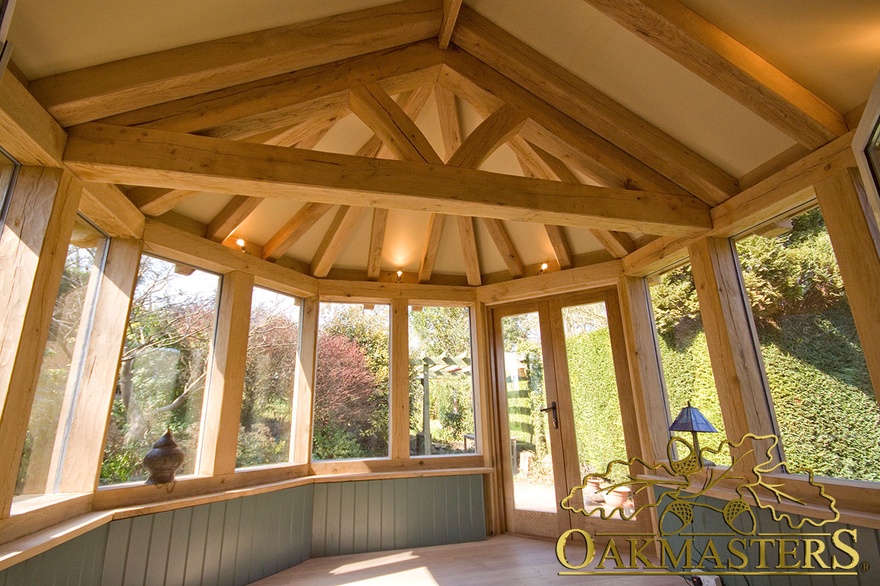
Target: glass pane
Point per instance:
(164, 367)
(59, 373)
(822, 395)
(596, 406)
(684, 354)
(267, 406)
(8, 168)
(530, 458)
(351, 382)
(441, 393)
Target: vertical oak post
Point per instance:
(304, 384)
(222, 412)
(33, 249)
(398, 434)
(645, 370)
(733, 346)
(855, 237)
(79, 456)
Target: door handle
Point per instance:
(555, 419)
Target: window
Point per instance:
(352, 382)
(8, 170)
(164, 367)
(267, 405)
(441, 389)
(825, 405)
(687, 370)
(60, 378)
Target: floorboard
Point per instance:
(505, 559)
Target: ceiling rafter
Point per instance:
(505, 246)
(103, 90)
(549, 128)
(447, 25)
(231, 217)
(561, 247)
(377, 241)
(730, 66)
(301, 222)
(574, 97)
(469, 253)
(432, 246)
(114, 154)
(335, 239)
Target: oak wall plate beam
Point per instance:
(103, 90)
(775, 196)
(115, 154)
(582, 102)
(730, 66)
(27, 132)
(110, 210)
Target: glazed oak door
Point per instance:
(563, 392)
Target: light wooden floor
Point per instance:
(505, 559)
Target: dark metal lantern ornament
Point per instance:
(163, 460)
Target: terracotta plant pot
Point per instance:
(617, 497)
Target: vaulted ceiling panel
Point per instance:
(203, 207)
(642, 79)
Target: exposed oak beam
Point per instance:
(411, 102)
(561, 247)
(591, 108)
(447, 25)
(469, 250)
(432, 246)
(391, 124)
(294, 229)
(231, 216)
(279, 101)
(106, 206)
(377, 242)
(730, 66)
(112, 88)
(155, 201)
(487, 137)
(335, 239)
(104, 153)
(505, 247)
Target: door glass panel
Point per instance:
(529, 449)
(595, 404)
